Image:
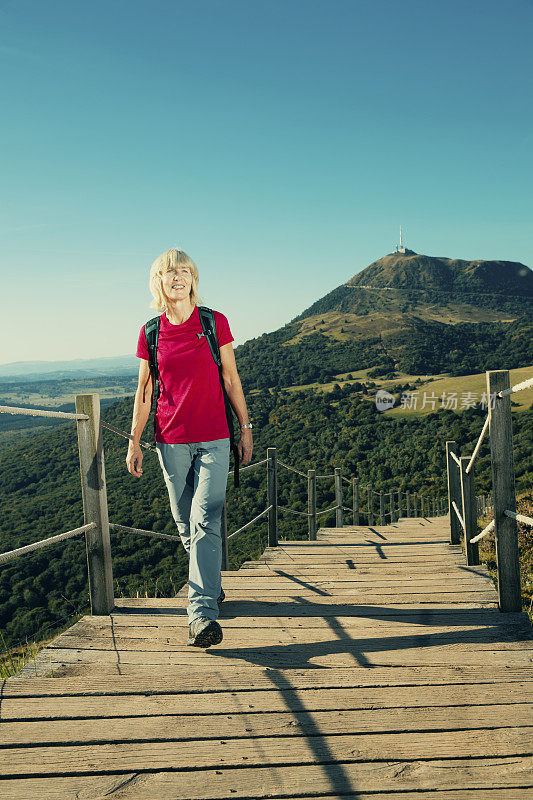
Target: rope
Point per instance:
(28, 548)
(128, 436)
(292, 511)
(519, 517)
(250, 466)
(326, 510)
(478, 444)
(455, 459)
(283, 464)
(345, 479)
(461, 520)
(483, 533)
(516, 388)
(347, 509)
(251, 522)
(126, 529)
(325, 476)
(37, 412)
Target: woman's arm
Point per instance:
(233, 387)
(141, 411)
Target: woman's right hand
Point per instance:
(134, 459)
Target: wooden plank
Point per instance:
(271, 750)
(245, 582)
(377, 567)
(336, 653)
(447, 794)
(396, 595)
(495, 681)
(42, 668)
(249, 724)
(389, 777)
(482, 638)
(415, 619)
(324, 606)
(355, 628)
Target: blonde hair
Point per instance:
(172, 258)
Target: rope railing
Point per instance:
(29, 548)
(518, 517)
(155, 534)
(326, 510)
(293, 511)
(250, 466)
(148, 445)
(518, 387)
(251, 522)
(484, 532)
(467, 508)
(39, 412)
(459, 515)
(293, 469)
(478, 444)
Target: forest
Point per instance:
(424, 349)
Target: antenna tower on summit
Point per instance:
(401, 248)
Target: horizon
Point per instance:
(133, 128)
(408, 252)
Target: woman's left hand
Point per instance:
(245, 446)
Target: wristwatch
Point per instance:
(247, 425)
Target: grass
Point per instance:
(487, 551)
(475, 384)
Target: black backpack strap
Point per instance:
(151, 333)
(207, 318)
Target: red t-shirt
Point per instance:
(191, 403)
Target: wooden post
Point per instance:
(272, 484)
(355, 484)
(503, 490)
(338, 497)
(391, 499)
(407, 505)
(370, 505)
(399, 503)
(415, 503)
(224, 535)
(97, 541)
(381, 508)
(468, 502)
(311, 503)
(454, 492)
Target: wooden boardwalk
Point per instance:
(371, 663)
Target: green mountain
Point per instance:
(416, 313)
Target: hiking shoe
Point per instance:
(204, 632)
(221, 597)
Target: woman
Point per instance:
(192, 434)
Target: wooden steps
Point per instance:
(372, 663)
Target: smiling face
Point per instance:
(174, 279)
(177, 282)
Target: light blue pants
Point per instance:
(196, 475)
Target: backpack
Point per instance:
(207, 318)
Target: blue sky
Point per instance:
(280, 144)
